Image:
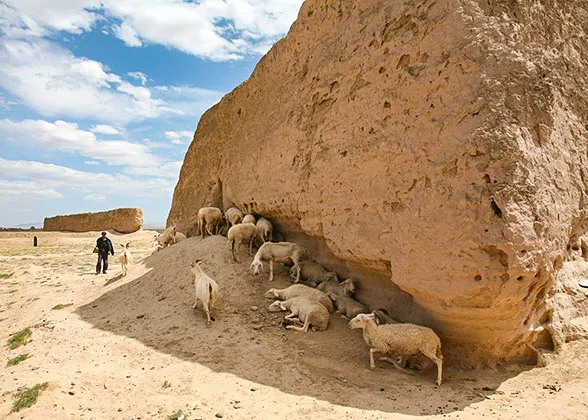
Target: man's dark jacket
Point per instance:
(104, 246)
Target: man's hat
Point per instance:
(103, 233)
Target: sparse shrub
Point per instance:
(19, 338)
(27, 397)
(16, 360)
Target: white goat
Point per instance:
(265, 229)
(248, 218)
(314, 273)
(233, 216)
(126, 258)
(238, 234)
(210, 218)
(400, 341)
(302, 309)
(207, 290)
(300, 290)
(280, 252)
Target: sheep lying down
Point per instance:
(300, 290)
(304, 310)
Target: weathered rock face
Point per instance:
(121, 220)
(435, 149)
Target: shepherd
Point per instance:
(104, 247)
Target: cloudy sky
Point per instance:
(99, 99)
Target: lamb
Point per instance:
(211, 218)
(280, 252)
(314, 273)
(300, 290)
(305, 310)
(248, 218)
(241, 233)
(399, 341)
(233, 216)
(125, 259)
(265, 229)
(345, 288)
(348, 307)
(207, 289)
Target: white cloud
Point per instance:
(14, 190)
(214, 29)
(54, 82)
(127, 34)
(178, 137)
(31, 177)
(105, 129)
(66, 137)
(95, 197)
(92, 162)
(138, 75)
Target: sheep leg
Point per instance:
(205, 305)
(271, 264)
(397, 365)
(297, 271)
(239, 252)
(291, 317)
(304, 328)
(372, 363)
(195, 304)
(251, 246)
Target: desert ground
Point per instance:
(134, 348)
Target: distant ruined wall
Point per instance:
(436, 150)
(121, 220)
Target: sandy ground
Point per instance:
(133, 347)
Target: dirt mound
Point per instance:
(332, 365)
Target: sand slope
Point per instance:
(109, 359)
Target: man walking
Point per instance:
(104, 248)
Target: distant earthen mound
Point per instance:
(435, 150)
(121, 220)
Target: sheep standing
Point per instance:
(265, 229)
(126, 258)
(233, 216)
(300, 290)
(248, 218)
(206, 290)
(210, 218)
(305, 310)
(345, 288)
(280, 252)
(314, 273)
(399, 341)
(241, 233)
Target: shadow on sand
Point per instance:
(332, 365)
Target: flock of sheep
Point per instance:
(310, 307)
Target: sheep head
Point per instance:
(256, 266)
(277, 306)
(271, 294)
(349, 287)
(361, 320)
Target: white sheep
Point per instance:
(399, 341)
(314, 273)
(418, 362)
(164, 240)
(280, 252)
(345, 288)
(248, 218)
(233, 216)
(210, 218)
(126, 258)
(167, 237)
(300, 290)
(207, 290)
(348, 307)
(302, 309)
(239, 234)
(265, 229)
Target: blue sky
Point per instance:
(99, 99)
